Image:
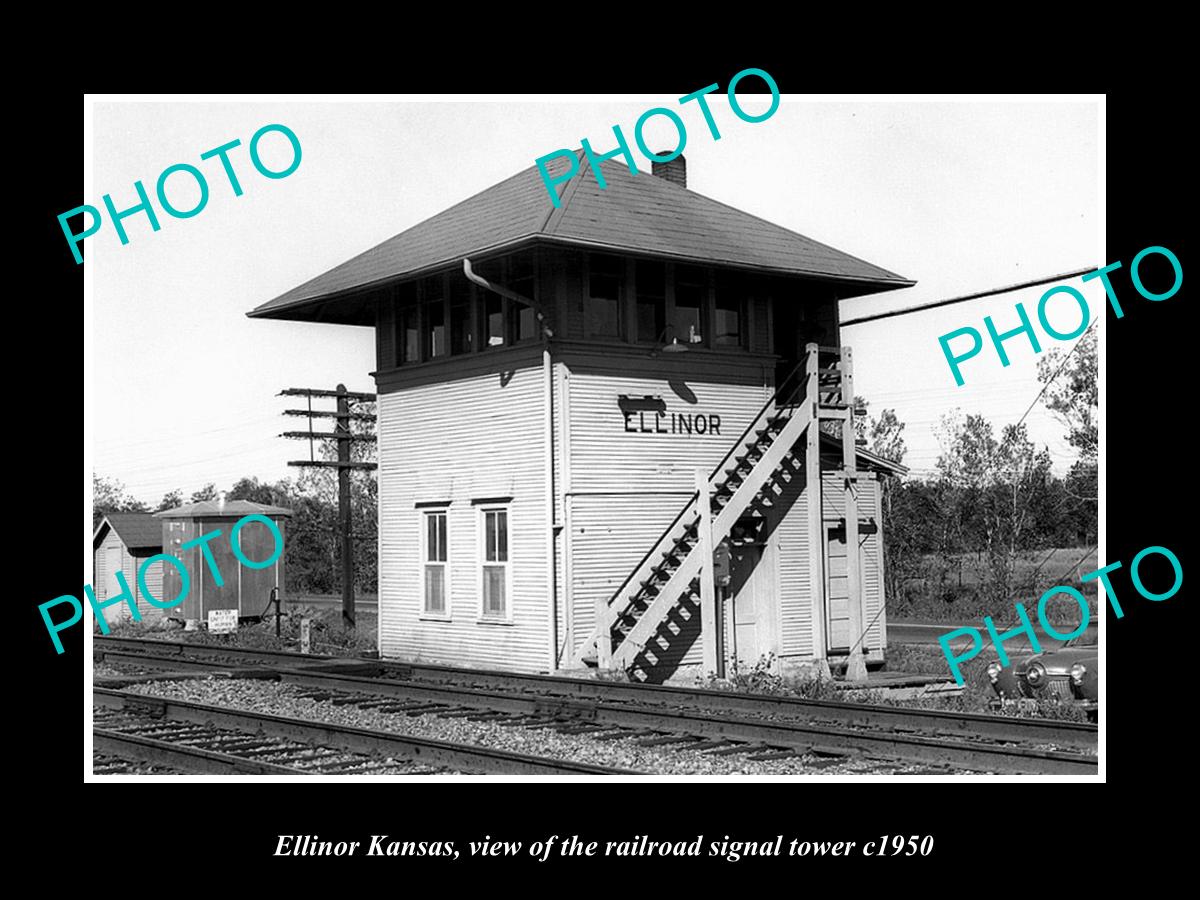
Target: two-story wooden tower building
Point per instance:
(558, 387)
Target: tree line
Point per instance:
(991, 500)
(312, 544)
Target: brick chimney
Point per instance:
(674, 171)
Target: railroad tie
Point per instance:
(421, 709)
(606, 733)
(334, 768)
(930, 770)
(521, 721)
(824, 762)
(225, 743)
(544, 724)
(669, 739)
(376, 703)
(779, 754)
(487, 716)
(711, 745)
(740, 748)
(319, 755)
(839, 752)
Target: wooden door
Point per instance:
(750, 601)
(837, 590)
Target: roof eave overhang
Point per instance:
(330, 307)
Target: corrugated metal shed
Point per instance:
(234, 585)
(216, 508)
(640, 214)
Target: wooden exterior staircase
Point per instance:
(634, 627)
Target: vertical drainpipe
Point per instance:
(547, 440)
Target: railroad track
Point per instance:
(758, 737)
(971, 726)
(201, 738)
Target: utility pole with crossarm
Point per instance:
(345, 439)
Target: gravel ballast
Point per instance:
(286, 700)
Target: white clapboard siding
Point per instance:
(605, 457)
(464, 440)
(795, 595)
(609, 536)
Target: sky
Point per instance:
(958, 196)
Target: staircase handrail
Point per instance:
(740, 442)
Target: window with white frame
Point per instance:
(434, 555)
(494, 562)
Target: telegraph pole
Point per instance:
(344, 464)
(343, 472)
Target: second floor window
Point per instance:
(493, 319)
(727, 313)
(435, 328)
(651, 286)
(603, 302)
(691, 289)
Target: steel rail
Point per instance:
(1028, 731)
(192, 760)
(344, 737)
(795, 735)
(803, 736)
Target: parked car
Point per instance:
(1068, 674)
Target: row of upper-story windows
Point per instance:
(625, 300)
(653, 302)
(448, 315)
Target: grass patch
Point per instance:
(761, 678)
(329, 635)
(977, 693)
(955, 589)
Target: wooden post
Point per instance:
(816, 525)
(708, 588)
(856, 667)
(344, 522)
(604, 641)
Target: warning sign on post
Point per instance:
(222, 621)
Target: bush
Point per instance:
(762, 678)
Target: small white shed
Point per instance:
(121, 543)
